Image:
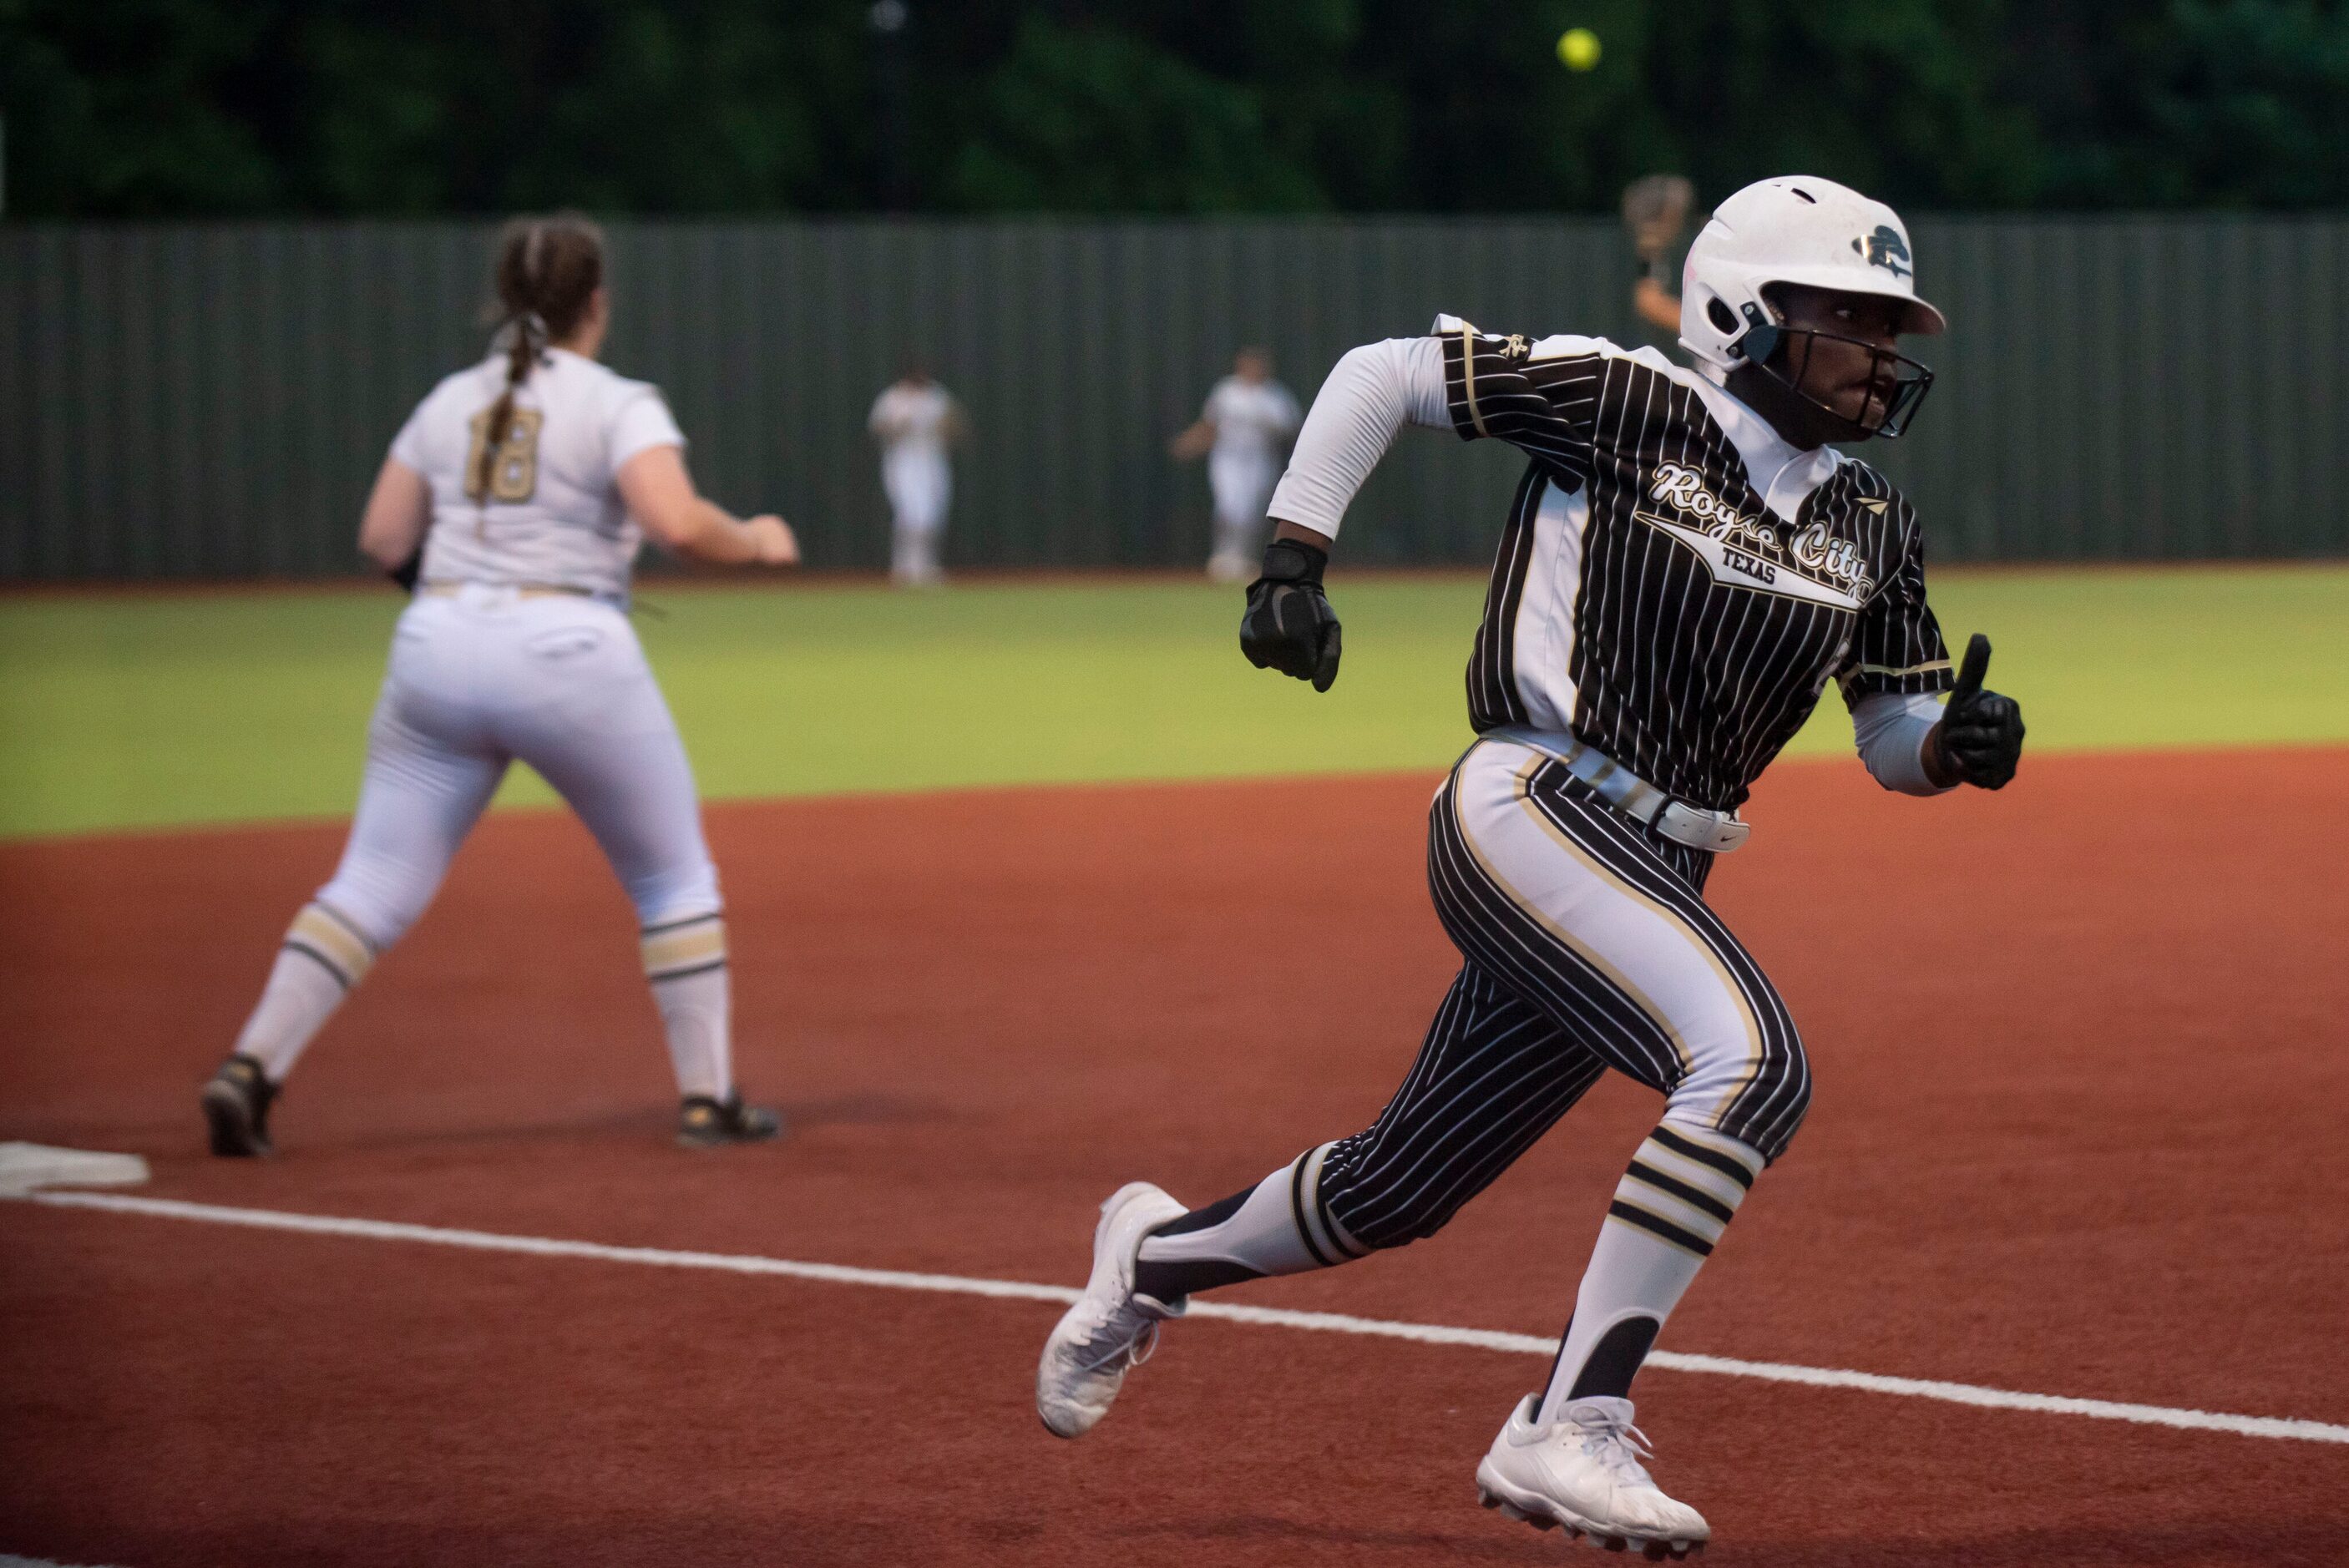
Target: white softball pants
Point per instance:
(1242, 485)
(484, 678)
(920, 484)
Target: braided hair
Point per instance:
(546, 277)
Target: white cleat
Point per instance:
(1109, 1330)
(1583, 1471)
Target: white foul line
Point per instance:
(1276, 1317)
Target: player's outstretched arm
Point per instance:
(659, 494)
(1656, 305)
(1979, 740)
(1195, 441)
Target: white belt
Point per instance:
(1698, 827)
(454, 588)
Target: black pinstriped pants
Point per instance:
(1587, 947)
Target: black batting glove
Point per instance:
(406, 571)
(1980, 738)
(1289, 626)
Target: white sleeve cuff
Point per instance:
(1371, 393)
(1889, 731)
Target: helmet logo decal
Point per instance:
(1885, 249)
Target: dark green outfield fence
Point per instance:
(212, 401)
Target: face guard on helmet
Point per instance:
(1799, 230)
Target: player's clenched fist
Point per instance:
(1289, 626)
(1980, 739)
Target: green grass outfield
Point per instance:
(145, 710)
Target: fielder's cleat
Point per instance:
(236, 1109)
(703, 1122)
(1583, 1471)
(1110, 1330)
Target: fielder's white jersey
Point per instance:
(912, 419)
(552, 514)
(1253, 421)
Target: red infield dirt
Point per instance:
(2081, 1076)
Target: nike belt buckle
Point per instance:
(1717, 832)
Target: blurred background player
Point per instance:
(916, 421)
(1244, 432)
(512, 503)
(1655, 211)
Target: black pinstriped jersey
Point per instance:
(1646, 599)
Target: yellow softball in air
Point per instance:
(1578, 48)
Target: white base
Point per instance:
(28, 1167)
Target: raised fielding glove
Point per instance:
(1289, 626)
(1980, 738)
(406, 573)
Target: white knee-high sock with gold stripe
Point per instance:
(1682, 1189)
(324, 956)
(685, 960)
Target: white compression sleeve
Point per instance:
(1371, 393)
(1260, 1236)
(1891, 733)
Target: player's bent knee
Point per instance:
(1769, 1109)
(1789, 1098)
(1755, 1091)
(1771, 1127)
(669, 896)
(378, 901)
(1402, 1229)
(1371, 1216)
(1346, 1210)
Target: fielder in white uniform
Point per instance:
(1244, 431)
(916, 421)
(527, 482)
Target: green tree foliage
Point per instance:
(136, 107)
(151, 107)
(2243, 103)
(1097, 119)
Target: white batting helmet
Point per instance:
(1794, 229)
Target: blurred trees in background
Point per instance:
(222, 108)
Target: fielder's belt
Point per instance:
(1698, 827)
(448, 589)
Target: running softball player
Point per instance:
(527, 481)
(1686, 566)
(1243, 431)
